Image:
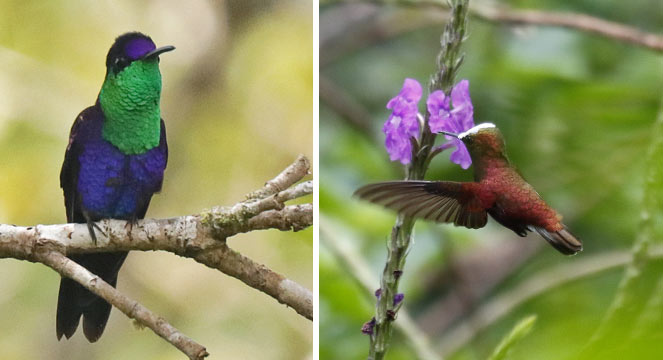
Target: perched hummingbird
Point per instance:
(498, 190)
(114, 163)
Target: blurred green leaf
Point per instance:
(519, 331)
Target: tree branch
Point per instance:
(201, 237)
(293, 173)
(66, 267)
(376, 26)
(608, 29)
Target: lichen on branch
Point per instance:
(201, 237)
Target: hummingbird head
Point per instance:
(131, 93)
(482, 141)
(132, 47)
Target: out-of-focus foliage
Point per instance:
(577, 112)
(520, 330)
(237, 105)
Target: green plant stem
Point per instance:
(448, 63)
(397, 249)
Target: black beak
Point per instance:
(450, 134)
(158, 51)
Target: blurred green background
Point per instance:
(578, 114)
(237, 104)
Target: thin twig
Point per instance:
(388, 24)
(575, 21)
(293, 173)
(134, 310)
(608, 29)
(259, 277)
(254, 214)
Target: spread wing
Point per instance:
(440, 201)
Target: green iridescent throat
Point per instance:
(130, 102)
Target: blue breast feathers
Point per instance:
(114, 185)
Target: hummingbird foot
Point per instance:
(91, 225)
(129, 226)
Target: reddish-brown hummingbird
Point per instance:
(498, 190)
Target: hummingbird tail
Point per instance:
(68, 314)
(75, 301)
(563, 240)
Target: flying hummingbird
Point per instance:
(498, 190)
(114, 163)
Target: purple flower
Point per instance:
(398, 298)
(455, 119)
(403, 123)
(368, 327)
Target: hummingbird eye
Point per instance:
(120, 63)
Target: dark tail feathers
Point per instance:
(562, 240)
(75, 301)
